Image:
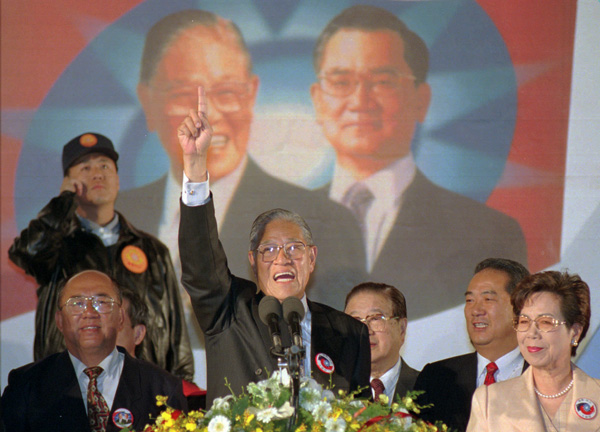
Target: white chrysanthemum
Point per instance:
(266, 415)
(219, 423)
(356, 403)
(335, 425)
(309, 397)
(328, 395)
(285, 411)
(310, 383)
(282, 377)
(321, 411)
(401, 420)
(221, 404)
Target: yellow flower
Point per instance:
(161, 400)
(166, 415)
(248, 418)
(190, 426)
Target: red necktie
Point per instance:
(97, 408)
(378, 388)
(489, 377)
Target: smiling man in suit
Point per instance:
(92, 385)
(383, 308)
(370, 96)
(449, 384)
(283, 256)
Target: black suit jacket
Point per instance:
(449, 385)
(334, 229)
(45, 396)
(406, 380)
(237, 342)
(437, 240)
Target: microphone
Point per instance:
(293, 313)
(269, 311)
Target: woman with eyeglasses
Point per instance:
(552, 316)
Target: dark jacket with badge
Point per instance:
(237, 342)
(46, 396)
(54, 247)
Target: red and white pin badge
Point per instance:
(122, 418)
(586, 409)
(324, 363)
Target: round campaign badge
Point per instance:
(122, 418)
(134, 259)
(88, 140)
(324, 363)
(586, 409)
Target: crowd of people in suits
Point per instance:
(108, 291)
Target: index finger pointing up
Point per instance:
(201, 101)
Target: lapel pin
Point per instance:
(122, 418)
(586, 409)
(324, 363)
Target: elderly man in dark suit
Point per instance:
(282, 255)
(449, 384)
(370, 96)
(383, 308)
(92, 385)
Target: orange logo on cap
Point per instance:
(88, 140)
(134, 259)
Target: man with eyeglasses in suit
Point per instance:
(370, 96)
(92, 385)
(383, 309)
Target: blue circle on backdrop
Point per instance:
(462, 145)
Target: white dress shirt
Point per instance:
(387, 186)
(510, 365)
(108, 380)
(109, 233)
(389, 380)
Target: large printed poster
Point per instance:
(486, 143)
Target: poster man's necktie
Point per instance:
(97, 408)
(491, 370)
(358, 199)
(378, 388)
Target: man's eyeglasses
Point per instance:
(77, 305)
(344, 83)
(293, 250)
(226, 97)
(544, 323)
(377, 322)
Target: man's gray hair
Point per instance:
(260, 224)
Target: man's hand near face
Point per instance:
(194, 135)
(73, 185)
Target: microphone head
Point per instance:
(267, 306)
(291, 305)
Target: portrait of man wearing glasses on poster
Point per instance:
(194, 48)
(370, 95)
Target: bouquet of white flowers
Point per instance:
(265, 407)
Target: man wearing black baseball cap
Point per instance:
(80, 230)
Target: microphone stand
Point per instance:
(295, 358)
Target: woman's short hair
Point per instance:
(572, 292)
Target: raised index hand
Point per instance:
(194, 135)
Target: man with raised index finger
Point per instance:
(283, 256)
